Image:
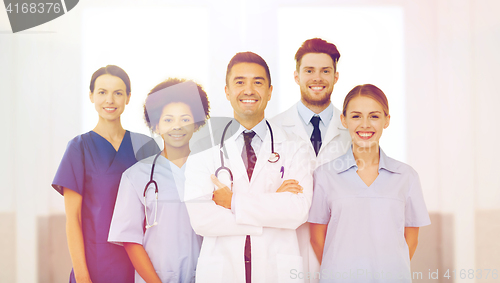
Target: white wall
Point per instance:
(450, 56)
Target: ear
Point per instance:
(387, 121)
(156, 129)
(226, 90)
(336, 78)
(270, 92)
(128, 98)
(91, 96)
(296, 77)
(342, 119)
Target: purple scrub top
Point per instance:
(365, 240)
(93, 168)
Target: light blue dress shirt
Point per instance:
(306, 114)
(365, 236)
(260, 133)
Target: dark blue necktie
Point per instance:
(249, 157)
(316, 134)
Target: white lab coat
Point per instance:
(336, 142)
(270, 218)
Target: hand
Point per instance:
(291, 186)
(223, 195)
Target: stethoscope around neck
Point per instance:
(153, 182)
(273, 158)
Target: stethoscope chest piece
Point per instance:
(274, 157)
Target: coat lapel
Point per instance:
(236, 162)
(292, 123)
(262, 156)
(265, 150)
(333, 129)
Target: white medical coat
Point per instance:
(270, 218)
(336, 142)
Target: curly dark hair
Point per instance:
(164, 93)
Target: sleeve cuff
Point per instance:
(232, 204)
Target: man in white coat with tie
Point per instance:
(249, 224)
(315, 120)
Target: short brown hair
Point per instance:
(317, 45)
(247, 57)
(370, 91)
(154, 104)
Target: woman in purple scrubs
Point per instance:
(89, 175)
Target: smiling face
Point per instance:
(316, 77)
(365, 120)
(176, 125)
(109, 97)
(248, 90)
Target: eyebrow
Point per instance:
(357, 112)
(114, 91)
(242, 78)
(170, 115)
(311, 67)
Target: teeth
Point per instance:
(316, 87)
(365, 135)
(248, 101)
(110, 109)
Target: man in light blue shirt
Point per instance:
(316, 120)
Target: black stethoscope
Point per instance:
(151, 181)
(272, 159)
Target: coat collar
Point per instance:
(306, 114)
(291, 118)
(234, 155)
(261, 129)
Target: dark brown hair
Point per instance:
(317, 45)
(247, 57)
(114, 71)
(153, 107)
(370, 91)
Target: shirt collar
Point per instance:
(260, 130)
(388, 163)
(347, 161)
(306, 114)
